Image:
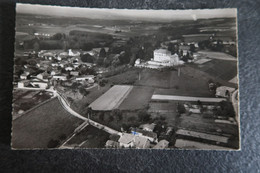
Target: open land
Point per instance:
(112, 98)
(38, 127)
(89, 137)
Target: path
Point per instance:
(186, 98)
(91, 122)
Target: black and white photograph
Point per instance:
(125, 79)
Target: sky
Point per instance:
(125, 14)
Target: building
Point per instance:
(112, 144)
(151, 136)
(71, 53)
(39, 83)
(87, 77)
(185, 49)
(148, 127)
(224, 91)
(60, 77)
(161, 144)
(133, 141)
(126, 140)
(141, 142)
(161, 55)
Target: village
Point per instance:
(161, 95)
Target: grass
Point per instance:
(90, 137)
(25, 100)
(137, 99)
(225, 70)
(112, 98)
(47, 122)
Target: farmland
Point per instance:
(89, 137)
(137, 99)
(25, 99)
(112, 98)
(38, 127)
(220, 69)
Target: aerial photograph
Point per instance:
(125, 79)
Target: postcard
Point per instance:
(125, 78)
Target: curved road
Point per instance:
(91, 122)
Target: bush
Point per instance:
(131, 119)
(143, 116)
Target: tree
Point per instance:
(111, 118)
(117, 113)
(101, 116)
(143, 116)
(180, 108)
(101, 57)
(131, 119)
(83, 91)
(87, 58)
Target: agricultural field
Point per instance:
(137, 99)
(220, 69)
(168, 82)
(89, 137)
(24, 100)
(46, 123)
(112, 98)
(166, 110)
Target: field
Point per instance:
(26, 99)
(164, 109)
(38, 127)
(89, 137)
(217, 55)
(112, 98)
(220, 69)
(138, 98)
(168, 82)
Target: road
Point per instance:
(186, 98)
(91, 122)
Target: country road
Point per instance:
(186, 98)
(91, 122)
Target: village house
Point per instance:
(24, 75)
(60, 77)
(133, 141)
(112, 144)
(161, 144)
(147, 127)
(151, 136)
(72, 53)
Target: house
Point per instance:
(185, 49)
(39, 83)
(147, 127)
(224, 91)
(60, 77)
(131, 140)
(112, 144)
(161, 144)
(71, 53)
(151, 136)
(138, 61)
(69, 68)
(24, 75)
(74, 73)
(126, 140)
(43, 76)
(141, 142)
(22, 84)
(87, 77)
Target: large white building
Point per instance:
(161, 55)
